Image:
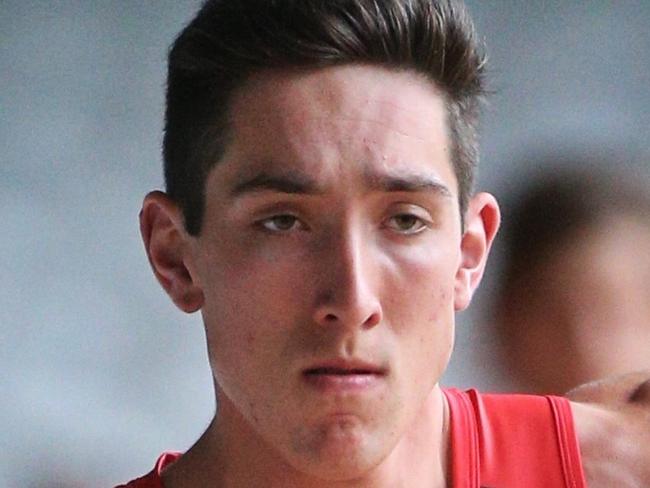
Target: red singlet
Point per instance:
(512, 441)
(497, 441)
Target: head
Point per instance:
(327, 254)
(228, 42)
(573, 303)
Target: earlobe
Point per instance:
(481, 225)
(165, 241)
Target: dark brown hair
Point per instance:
(229, 40)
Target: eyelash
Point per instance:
(263, 223)
(421, 224)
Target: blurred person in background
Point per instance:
(574, 301)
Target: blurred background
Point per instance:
(99, 373)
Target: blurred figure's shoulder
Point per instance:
(626, 391)
(612, 419)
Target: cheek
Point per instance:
(422, 308)
(250, 307)
(424, 278)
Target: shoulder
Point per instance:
(612, 421)
(631, 389)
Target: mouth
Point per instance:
(339, 371)
(344, 377)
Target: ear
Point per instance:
(167, 246)
(481, 225)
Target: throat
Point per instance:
(232, 453)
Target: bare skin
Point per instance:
(612, 419)
(233, 468)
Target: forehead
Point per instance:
(344, 117)
(388, 94)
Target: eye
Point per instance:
(281, 223)
(406, 223)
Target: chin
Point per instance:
(341, 449)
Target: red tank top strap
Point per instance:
(463, 433)
(568, 440)
(502, 441)
(153, 478)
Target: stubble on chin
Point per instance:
(337, 448)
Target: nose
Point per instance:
(348, 286)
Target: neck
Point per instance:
(231, 454)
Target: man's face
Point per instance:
(328, 260)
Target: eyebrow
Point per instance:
(408, 183)
(296, 183)
(281, 183)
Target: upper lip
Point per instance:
(344, 366)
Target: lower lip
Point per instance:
(343, 383)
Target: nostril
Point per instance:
(372, 320)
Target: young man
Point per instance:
(319, 158)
